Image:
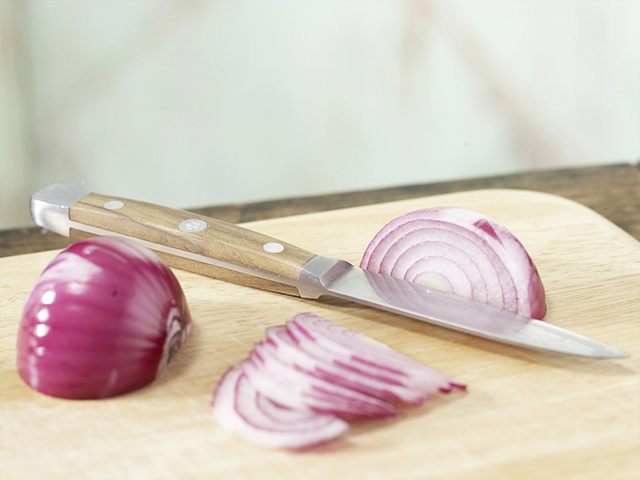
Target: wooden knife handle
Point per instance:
(243, 251)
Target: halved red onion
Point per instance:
(246, 413)
(104, 318)
(459, 251)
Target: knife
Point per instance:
(225, 251)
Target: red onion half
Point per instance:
(104, 318)
(461, 252)
(297, 388)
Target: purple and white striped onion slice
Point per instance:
(297, 388)
(240, 409)
(362, 354)
(320, 364)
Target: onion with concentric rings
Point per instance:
(462, 252)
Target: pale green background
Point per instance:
(191, 103)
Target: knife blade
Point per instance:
(221, 250)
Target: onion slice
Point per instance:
(104, 318)
(364, 355)
(296, 388)
(243, 411)
(320, 364)
(461, 252)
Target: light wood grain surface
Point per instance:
(527, 415)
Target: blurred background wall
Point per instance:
(191, 103)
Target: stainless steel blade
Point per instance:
(337, 278)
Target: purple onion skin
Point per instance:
(103, 319)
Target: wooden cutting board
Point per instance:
(526, 415)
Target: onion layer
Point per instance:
(241, 410)
(323, 365)
(104, 318)
(461, 252)
(355, 352)
(294, 389)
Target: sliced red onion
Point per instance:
(104, 318)
(241, 410)
(293, 388)
(462, 252)
(320, 364)
(362, 354)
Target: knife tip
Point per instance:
(612, 352)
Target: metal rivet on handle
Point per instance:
(273, 247)
(192, 225)
(113, 205)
